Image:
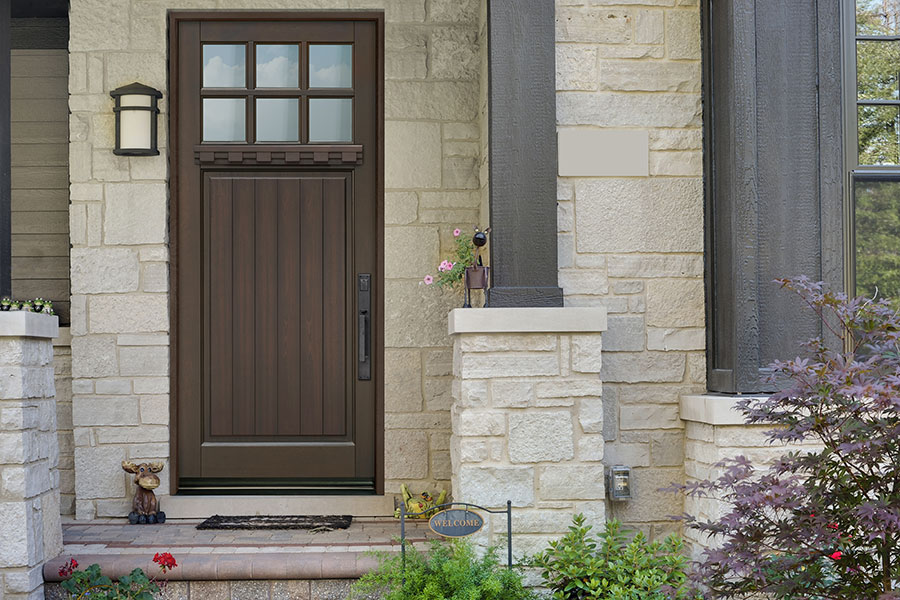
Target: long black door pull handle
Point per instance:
(363, 326)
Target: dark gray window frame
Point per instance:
(852, 168)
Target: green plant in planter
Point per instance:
(580, 566)
(451, 272)
(91, 583)
(446, 570)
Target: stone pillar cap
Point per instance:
(20, 323)
(569, 319)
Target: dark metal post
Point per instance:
(403, 540)
(509, 534)
(5, 149)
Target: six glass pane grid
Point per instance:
(876, 176)
(271, 96)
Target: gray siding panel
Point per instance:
(40, 177)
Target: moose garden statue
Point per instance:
(145, 508)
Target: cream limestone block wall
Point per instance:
(527, 419)
(30, 531)
(630, 222)
(120, 321)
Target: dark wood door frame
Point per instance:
(179, 19)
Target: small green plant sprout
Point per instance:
(580, 566)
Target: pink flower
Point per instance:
(456, 232)
(429, 280)
(837, 555)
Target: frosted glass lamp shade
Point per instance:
(137, 113)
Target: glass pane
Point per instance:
(330, 120)
(278, 120)
(878, 135)
(877, 69)
(877, 211)
(224, 120)
(224, 65)
(877, 17)
(277, 66)
(330, 66)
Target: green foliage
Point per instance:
(450, 571)
(91, 583)
(451, 272)
(581, 566)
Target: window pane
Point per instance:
(877, 17)
(330, 120)
(277, 66)
(224, 65)
(878, 135)
(330, 66)
(877, 211)
(877, 68)
(224, 120)
(277, 120)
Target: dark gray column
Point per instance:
(5, 142)
(774, 191)
(522, 115)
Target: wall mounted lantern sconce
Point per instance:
(137, 112)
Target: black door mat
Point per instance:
(311, 522)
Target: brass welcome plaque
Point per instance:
(456, 523)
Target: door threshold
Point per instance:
(182, 506)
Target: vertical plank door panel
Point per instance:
(244, 318)
(266, 310)
(221, 313)
(311, 334)
(289, 392)
(333, 290)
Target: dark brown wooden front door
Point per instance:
(276, 220)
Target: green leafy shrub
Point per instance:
(578, 565)
(447, 570)
(91, 583)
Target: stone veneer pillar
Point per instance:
(527, 418)
(30, 531)
(714, 431)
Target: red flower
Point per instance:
(837, 555)
(165, 561)
(67, 569)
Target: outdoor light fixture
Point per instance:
(619, 483)
(136, 115)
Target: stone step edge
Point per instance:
(219, 567)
